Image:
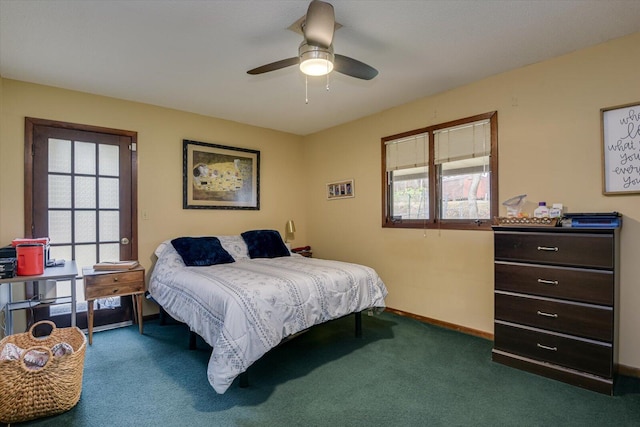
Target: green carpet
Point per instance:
(401, 373)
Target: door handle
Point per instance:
(124, 241)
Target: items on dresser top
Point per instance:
(593, 220)
(555, 303)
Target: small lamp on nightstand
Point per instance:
(289, 231)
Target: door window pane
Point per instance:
(60, 252)
(85, 158)
(59, 155)
(109, 193)
(59, 191)
(85, 194)
(85, 256)
(85, 228)
(60, 227)
(109, 162)
(109, 226)
(110, 252)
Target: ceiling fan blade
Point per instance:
(319, 25)
(275, 66)
(353, 67)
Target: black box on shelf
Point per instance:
(8, 251)
(7, 268)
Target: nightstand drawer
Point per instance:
(592, 286)
(583, 320)
(109, 284)
(579, 250)
(584, 355)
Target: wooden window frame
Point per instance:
(434, 221)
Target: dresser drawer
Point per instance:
(109, 284)
(570, 249)
(583, 355)
(589, 321)
(591, 286)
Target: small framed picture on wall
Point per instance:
(340, 189)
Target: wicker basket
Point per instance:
(50, 390)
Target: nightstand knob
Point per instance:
(115, 279)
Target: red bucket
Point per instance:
(30, 259)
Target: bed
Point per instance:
(245, 294)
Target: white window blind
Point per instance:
(408, 152)
(462, 142)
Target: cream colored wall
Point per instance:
(160, 135)
(549, 148)
(549, 138)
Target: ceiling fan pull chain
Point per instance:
(327, 80)
(306, 89)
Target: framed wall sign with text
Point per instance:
(621, 149)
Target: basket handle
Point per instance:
(47, 350)
(42, 322)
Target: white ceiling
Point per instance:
(193, 55)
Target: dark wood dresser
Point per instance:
(555, 303)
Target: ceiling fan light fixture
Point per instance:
(315, 60)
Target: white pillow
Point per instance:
(235, 245)
(162, 246)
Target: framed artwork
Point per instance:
(621, 149)
(220, 177)
(340, 190)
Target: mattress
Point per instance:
(245, 308)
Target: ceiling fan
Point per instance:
(315, 53)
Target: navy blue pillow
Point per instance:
(265, 244)
(201, 251)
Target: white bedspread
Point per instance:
(245, 308)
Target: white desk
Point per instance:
(67, 272)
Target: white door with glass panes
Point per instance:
(83, 199)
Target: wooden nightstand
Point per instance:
(102, 284)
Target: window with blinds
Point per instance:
(442, 176)
(407, 169)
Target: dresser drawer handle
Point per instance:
(115, 291)
(548, 248)
(546, 347)
(115, 279)
(548, 282)
(542, 313)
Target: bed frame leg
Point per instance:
(359, 324)
(163, 317)
(192, 340)
(244, 379)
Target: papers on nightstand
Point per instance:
(115, 265)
